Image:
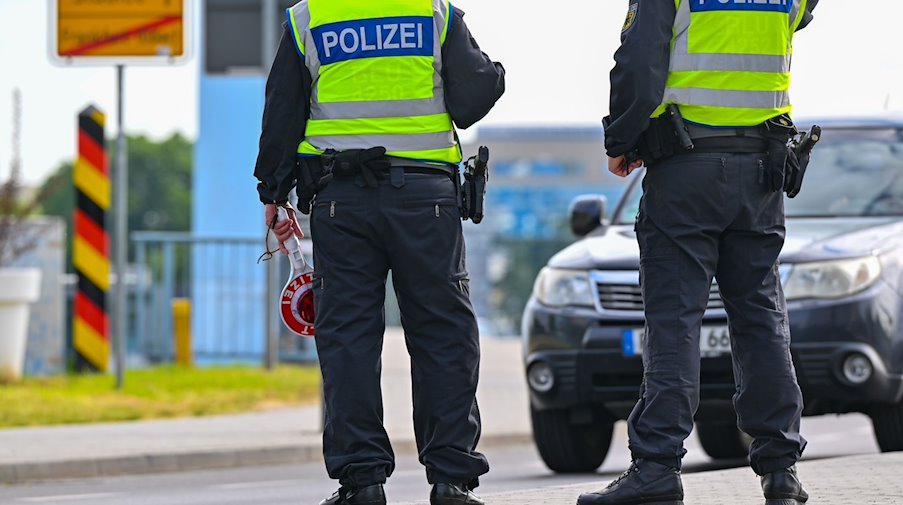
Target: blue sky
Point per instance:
(557, 55)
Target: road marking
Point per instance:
(69, 497)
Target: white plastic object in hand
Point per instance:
(296, 305)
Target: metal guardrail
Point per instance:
(233, 300)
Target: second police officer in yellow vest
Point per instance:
(366, 95)
(712, 207)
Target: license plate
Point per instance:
(713, 341)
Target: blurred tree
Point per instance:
(159, 183)
(524, 259)
(60, 201)
(159, 187)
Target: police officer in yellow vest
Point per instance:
(361, 107)
(712, 207)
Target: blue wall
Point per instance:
(225, 198)
(225, 204)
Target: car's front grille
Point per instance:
(816, 367)
(630, 297)
(615, 297)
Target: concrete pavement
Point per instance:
(292, 436)
(856, 480)
(273, 437)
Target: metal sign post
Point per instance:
(122, 230)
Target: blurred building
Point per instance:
(535, 172)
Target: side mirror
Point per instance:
(587, 212)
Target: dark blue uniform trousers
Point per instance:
(359, 235)
(703, 216)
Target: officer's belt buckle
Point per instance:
(327, 159)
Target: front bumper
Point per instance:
(583, 348)
(826, 332)
(584, 351)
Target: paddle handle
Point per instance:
(293, 244)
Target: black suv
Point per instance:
(842, 270)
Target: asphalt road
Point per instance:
(513, 468)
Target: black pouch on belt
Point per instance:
(658, 142)
(371, 164)
(781, 158)
(311, 179)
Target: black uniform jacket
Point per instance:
(641, 70)
(473, 83)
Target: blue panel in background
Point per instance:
(547, 168)
(225, 198)
(226, 204)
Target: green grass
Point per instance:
(154, 393)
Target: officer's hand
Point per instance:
(619, 166)
(284, 228)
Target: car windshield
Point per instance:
(853, 172)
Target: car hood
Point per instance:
(808, 239)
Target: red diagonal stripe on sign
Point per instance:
(91, 314)
(81, 50)
(92, 151)
(86, 228)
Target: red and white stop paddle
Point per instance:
(297, 302)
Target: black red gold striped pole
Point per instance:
(90, 250)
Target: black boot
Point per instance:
(453, 494)
(783, 488)
(644, 483)
(369, 495)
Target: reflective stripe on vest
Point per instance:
(370, 62)
(730, 60)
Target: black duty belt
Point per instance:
(436, 170)
(739, 145)
(703, 132)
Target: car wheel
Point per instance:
(888, 423)
(569, 448)
(723, 441)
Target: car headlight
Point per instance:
(831, 279)
(557, 287)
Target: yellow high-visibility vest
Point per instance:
(730, 60)
(377, 77)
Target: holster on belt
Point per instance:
(473, 189)
(802, 151)
(781, 159)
